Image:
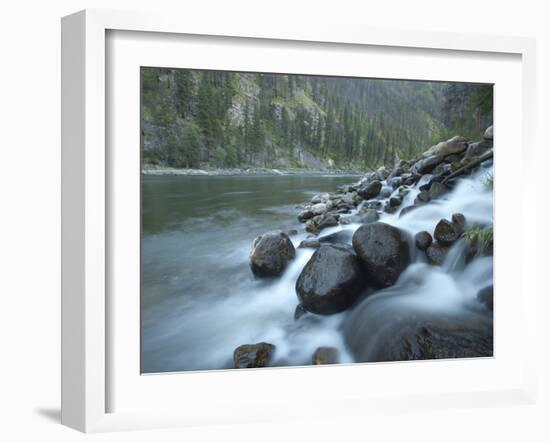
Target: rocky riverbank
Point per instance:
(154, 170)
(351, 265)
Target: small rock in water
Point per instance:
(395, 201)
(291, 232)
(485, 296)
(325, 355)
(384, 251)
(309, 244)
(253, 355)
(423, 240)
(446, 232)
(436, 253)
(270, 254)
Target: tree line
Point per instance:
(192, 118)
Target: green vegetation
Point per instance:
(480, 240)
(193, 119)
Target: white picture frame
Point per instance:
(86, 204)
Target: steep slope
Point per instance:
(193, 119)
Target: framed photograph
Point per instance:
(266, 222)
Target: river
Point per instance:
(199, 300)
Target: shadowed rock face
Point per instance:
(416, 336)
(384, 251)
(331, 281)
(271, 253)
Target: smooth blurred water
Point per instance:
(199, 300)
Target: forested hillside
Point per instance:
(202, 119)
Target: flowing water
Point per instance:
(199, 300)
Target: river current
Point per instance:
(199, 299)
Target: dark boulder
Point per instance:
(253, 355)
(423, 240)
(331, 281)
(485, 296)
(384, 251)
(325, 355)
(415, 335)
(426, 165)
(446, 232)
(370, 190)
(270, 254)
(436, 253)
